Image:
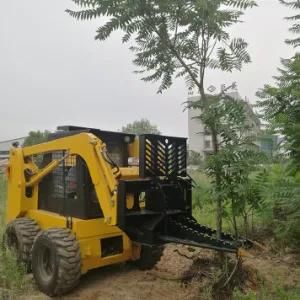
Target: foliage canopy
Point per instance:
(173, 38)
(295, 28)
(140, 127)
(281, 105)
(36, 137)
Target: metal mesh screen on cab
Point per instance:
(60, 184)
(64, 176)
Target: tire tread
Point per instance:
(27, 229)
(69, 260)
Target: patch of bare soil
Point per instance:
(184, 273)
(168, 280)
(124, 282)
(274, 270)
(177, 262)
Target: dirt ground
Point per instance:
(126, 283)
(176, 277)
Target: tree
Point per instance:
(36, 137)
(280, 103)
(140, 127)
(280, 106)
(236, 157)
(238, 189)
(280, 210)
(176, 38)
(295, 29)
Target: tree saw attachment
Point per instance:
(161, 207)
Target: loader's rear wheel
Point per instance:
(19, 237)
(56, 261)
(149, 257)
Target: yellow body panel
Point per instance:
(23, 195)
(18, 204)
(133, 148)
(128, 173)
(88, 233)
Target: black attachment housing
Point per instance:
(166, 189)
(162, 156)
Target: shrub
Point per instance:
(280, 212)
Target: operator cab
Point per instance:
(69, 190)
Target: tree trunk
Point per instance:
(236, 234)
(219, 204)
(246, 225)
(219, 201)
(219, 213)
(215, 145)
(252, 221)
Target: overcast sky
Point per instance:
(53, 72)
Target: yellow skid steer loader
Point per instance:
(88, 198)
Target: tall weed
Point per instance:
(11, 272)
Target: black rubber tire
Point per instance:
(19, 237)
(149, 257)
(56, 261)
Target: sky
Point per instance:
(53, 72)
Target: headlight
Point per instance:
(133, 161)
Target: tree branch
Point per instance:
(169, 44)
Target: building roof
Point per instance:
(6, 145)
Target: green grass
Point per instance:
(2, 199)
(12, 279)
(268, 294)
(204, 209)
(203, 206)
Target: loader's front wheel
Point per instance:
(56, 261)
(19, 236)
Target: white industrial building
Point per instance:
(200, 140)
